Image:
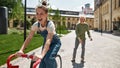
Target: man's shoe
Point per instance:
(72, 60)
(82, 60)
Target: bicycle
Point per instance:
(33, 63)
(9, 65)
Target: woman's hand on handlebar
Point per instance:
(37, 57)
(19, 53)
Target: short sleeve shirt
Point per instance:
(50, 27)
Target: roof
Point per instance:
(63, 13)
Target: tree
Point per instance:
(57, 17)
(15, 9)
(50, 11)
(63, 20)
(8, 3)
(18, 10)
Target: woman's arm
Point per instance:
(46, 47)
(47, 44)
(26, 42)
(28, 39)
(34, 28)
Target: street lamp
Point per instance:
(25, 20)
(111, 15)
(101, 16)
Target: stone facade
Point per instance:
(71, 18)
(107, 15)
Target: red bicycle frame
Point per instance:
(9, 65)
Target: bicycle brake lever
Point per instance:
(31, 56)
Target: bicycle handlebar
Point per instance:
(24, 56)
(27, 56)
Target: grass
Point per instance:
(63, 31)
(11, 43)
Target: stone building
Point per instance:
(107, 15)
(71, 17)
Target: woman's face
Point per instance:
(41, 15)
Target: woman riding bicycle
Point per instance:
(51, 43)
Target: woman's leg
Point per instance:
(50, 56)
(42, 64)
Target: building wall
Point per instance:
(106, 16)
(96, 19)
(70, 22)
(116, 10)
(103, 16)
(116, 16)
(90, 21)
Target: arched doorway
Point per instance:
(68, 25)
(105, 25)
(114, 24)
(119, 24)
(116, 27)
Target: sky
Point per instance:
(74, 5)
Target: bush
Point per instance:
(13, 31)
(62, 29)
(15, 23)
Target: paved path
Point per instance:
(102, 52)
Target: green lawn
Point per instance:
(11, 43)
(63, 31)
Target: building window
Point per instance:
(28, 16)
(114, 4)
(107, 8)
(73, 19)
(119, 3)
(78, 19)
(103, 9)
(68, 18)
(90, 20)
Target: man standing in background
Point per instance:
(80, 30)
